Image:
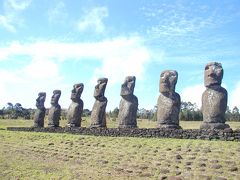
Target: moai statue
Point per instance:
(128, 107)
(98, 115)
(74, 114)
(214, 98)
(169, 102)
(55, 110)
(40, 112)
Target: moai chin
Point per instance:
(40, 112)
(98, 115)
(55, 110)
(169, 102)
(128, 107)
(74, 114)
(214, 98)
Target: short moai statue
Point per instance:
(40, 112)
(128, 107)
(169, 102)
(214, 98)
(74, 114)
(98, 115)
(55, 110)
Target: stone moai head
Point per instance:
(55, 97)
(213, 74)
(77, 92)
(168, 81)
(100, 88)
(40, 100)
(128, 86)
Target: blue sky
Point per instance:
(47, 45)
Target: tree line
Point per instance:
(189, 112)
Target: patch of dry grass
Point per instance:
(29, 155)
(63, 156)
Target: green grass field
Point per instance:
(31, 155)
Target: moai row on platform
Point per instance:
(214, 103)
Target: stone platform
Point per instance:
(225, 135)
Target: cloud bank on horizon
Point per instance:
(53, 45)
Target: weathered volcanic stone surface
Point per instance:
(169, 102)
(74, 114)
(98, 115)
(127, 116)
(40, 111)
(55, 110)
(136, 132)
(214, 98)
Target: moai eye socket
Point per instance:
(162, 75)
(207, 67)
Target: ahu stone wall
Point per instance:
(225, 135)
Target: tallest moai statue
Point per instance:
(214, 98)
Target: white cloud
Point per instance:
(11, 18)
(93, 20)
(234, 96)
(5, 22)
(57, 13)
(184, 18)
(19, 4)
(193, 94)
(118, 58)
(41, 68)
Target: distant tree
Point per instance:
(190, 112)
(145, 114)
(16, 111)
(8, 110)
(86, 113)
(2, 113)
(235, 114)
(228, 114)
(154, 118)
(63, 114)
(115, 112)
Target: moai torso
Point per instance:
(168, 109)
(74, 114)
(40, 111)
(55, 110)
(128, 107)
(98, 115)
(169, 101)
(214, 98)
(215, 105)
